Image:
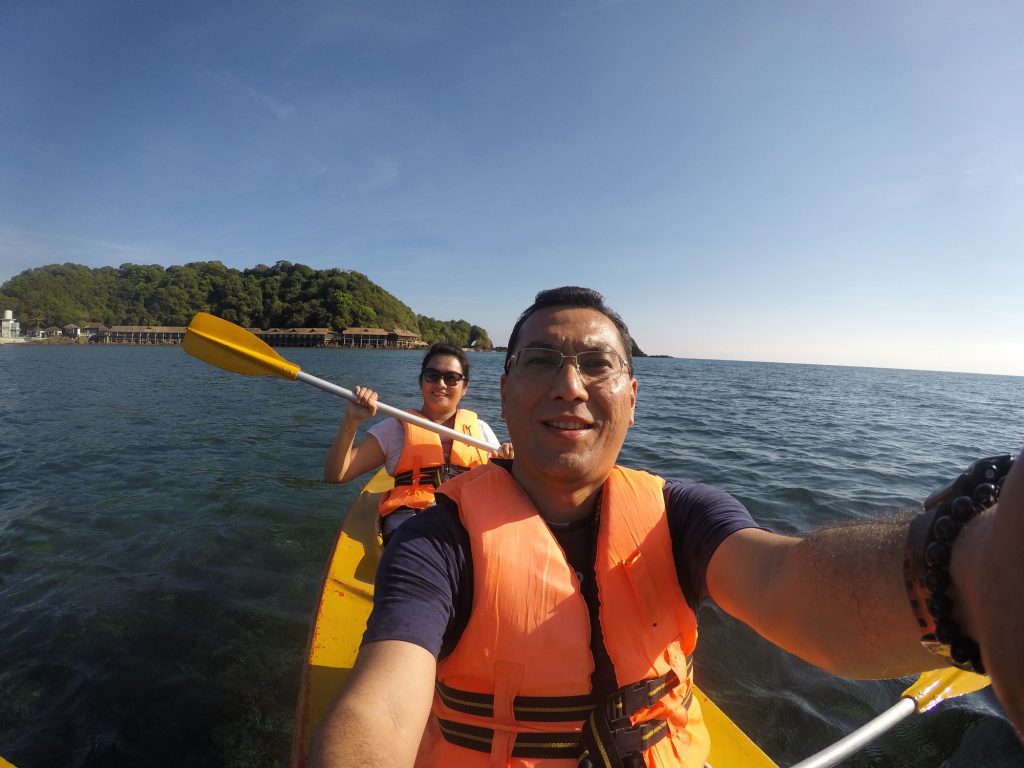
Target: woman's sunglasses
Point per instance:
(451, 378)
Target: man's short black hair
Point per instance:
(572, 296)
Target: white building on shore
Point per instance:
(9, 327)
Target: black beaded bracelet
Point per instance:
(930, 548)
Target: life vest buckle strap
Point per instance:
(622, 747)
(628, 740)
(628, 761)
(630, 699)
(432, 476)
(549, 745)
(448, 471)
(525, 708)
(406, 478)
(634, 739)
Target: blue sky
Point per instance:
(802, 180)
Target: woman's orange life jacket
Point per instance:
(516, 690)
(421, 466)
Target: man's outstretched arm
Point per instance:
(837, 598)
(377, 720)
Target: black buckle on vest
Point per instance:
(626, 747)
(630, 699)
(432, 476)
(629, 761)
(629, 740)
(451, 470)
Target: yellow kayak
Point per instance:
(345, 603)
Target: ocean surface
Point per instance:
(164, 531)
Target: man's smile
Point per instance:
(567, 424)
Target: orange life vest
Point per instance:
(516, 690)
(421, 467)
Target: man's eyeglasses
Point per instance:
(592, 366)
(451, 378)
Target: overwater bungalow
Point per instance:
(95, 330)
(145, 334)
(296, 337)
(378, 337)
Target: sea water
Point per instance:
(164, 531)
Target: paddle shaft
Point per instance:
(399, 414)
(847, 745)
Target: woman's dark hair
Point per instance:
(444, 348)
(572, 296)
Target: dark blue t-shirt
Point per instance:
(424, 587)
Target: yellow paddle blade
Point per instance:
(234, 349)
(941, 684)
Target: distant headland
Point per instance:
(285, 304)
(291, 301)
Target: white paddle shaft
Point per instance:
(847, 745)
(399, 414)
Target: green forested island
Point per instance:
(284, 295)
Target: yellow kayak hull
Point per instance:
(345, 603)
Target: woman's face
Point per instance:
(440, 397)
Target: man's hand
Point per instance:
(988, 571)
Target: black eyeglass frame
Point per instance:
(625, 365)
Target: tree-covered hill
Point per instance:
(284, 295)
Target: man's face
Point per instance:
(565, 431)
